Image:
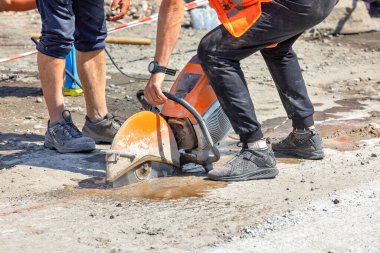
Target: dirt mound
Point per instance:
(370, 130)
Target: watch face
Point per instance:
(151, 67)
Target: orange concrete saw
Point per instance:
(157, 143)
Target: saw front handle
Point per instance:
(191, 109)
(118, 153)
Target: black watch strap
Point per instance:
(158, 68)
(170, 72)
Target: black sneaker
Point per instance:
(65, 137)
(302, 143)
(247, 165)
(102, 130)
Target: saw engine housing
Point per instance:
(193, 86)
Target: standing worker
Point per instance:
(248, 26)
(82, 23)
(71, 88)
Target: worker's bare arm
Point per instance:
(169, 26)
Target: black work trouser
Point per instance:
(281, 22)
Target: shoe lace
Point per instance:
(288, 139)
(243, 153)
(249, 155)
(70, 131)
(114, 120)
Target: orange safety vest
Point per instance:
(237, 16)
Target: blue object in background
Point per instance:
(71, 87)
(204, 17)
(71, 66)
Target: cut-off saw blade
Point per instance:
(146, 171)
(143, 148)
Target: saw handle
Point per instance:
(191, 109)
(144, 102)
(120, 153)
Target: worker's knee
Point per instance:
(205, 51)
(278, 53)
(88, 47)
(55, 45)
(272, 52)
(91, 29)
(94, 42)
(58, 27)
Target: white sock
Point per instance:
(258, 145)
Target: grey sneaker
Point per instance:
(102, 130)
(247, 165)
(65, 137)
(303, 143)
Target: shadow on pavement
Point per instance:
(28, 149)
(14, 91)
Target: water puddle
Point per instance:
(345, 105)
(281, 124)
(166, 188)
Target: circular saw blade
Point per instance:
(143, 172)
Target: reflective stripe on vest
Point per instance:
(237, 16)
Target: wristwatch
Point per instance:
(154, 67)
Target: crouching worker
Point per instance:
(248, 26)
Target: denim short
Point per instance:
(71, 22)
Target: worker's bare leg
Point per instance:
(61, 134)
(92, 73)
(51, 72)
(100, 125)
